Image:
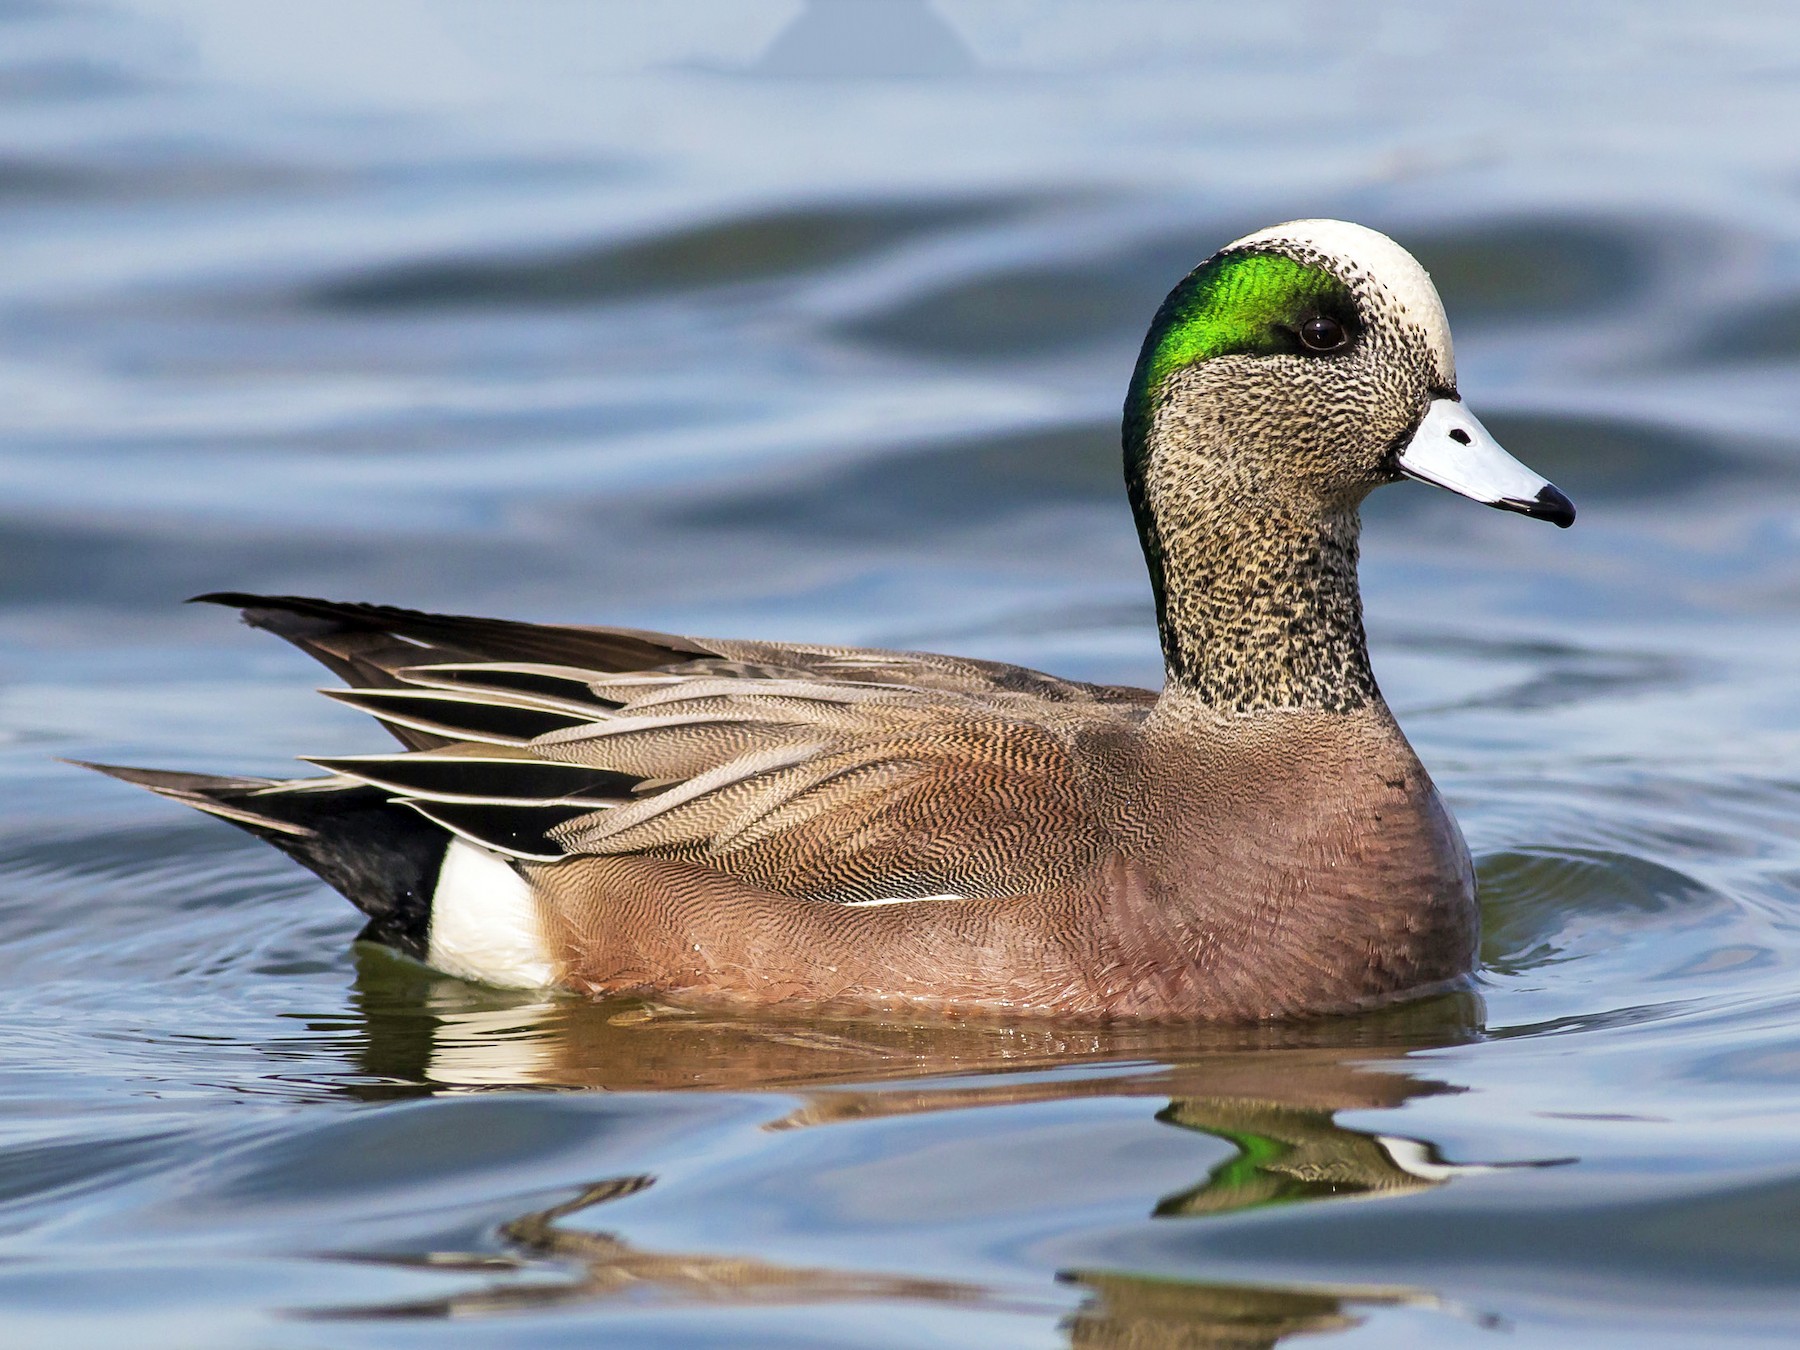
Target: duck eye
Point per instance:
(1323, 335)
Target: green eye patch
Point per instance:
(1243, 304)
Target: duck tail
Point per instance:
(385, 858)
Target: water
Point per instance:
(689, 317)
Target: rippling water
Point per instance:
(744, 317)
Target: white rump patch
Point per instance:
(1356, 250)
(485, 924)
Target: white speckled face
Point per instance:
(1309, 362)
(1448, 447)
(1369, 262)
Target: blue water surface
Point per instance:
(812, 321)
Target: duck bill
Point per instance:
(1451, 449)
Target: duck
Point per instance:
(610, 811)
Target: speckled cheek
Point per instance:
(1397, 389)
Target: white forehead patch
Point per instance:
(1358, 253)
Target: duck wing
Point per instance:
(843, 775)
(363, 644)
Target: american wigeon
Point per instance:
(606, 809)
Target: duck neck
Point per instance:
(1256, 596)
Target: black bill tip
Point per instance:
(1553, 507)
(1549, 504)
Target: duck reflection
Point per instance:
(605, 1267)
(1116, 1310)
(1272, 1093)
(423, 1034)
(1125, 1312)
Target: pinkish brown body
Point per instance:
(1321, 873)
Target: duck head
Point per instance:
(1285, 378)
